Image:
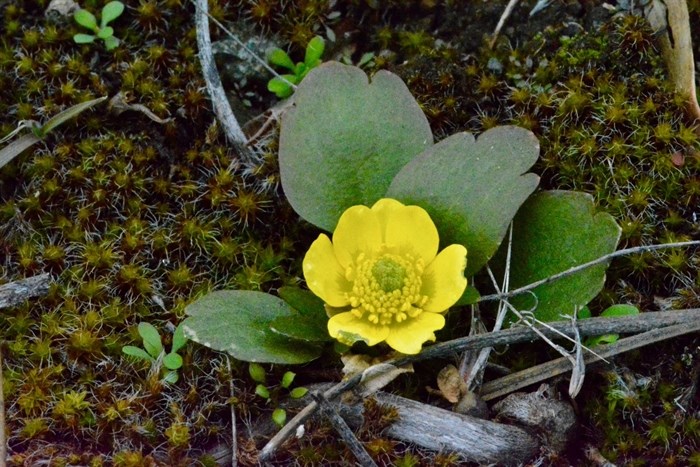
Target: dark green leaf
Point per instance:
(553, 232)
(469, 297)
(472, 189)
(238, 322)
(346, 139)
(310, 321)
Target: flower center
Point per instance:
(386, 288)
(389, 274)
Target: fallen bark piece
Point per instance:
(431, 427)
(16, 292)
(553, 420)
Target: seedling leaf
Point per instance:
(298, 393)
(151, 339)
(314, 51)
(111, 42)
(257, 372)
(110, 12)
(262, 391)
(137, 352)
(279, 416)
(86, 19)
(280, 58)
(287, 379)
(172, 361)
(179, 339)
(83, 38)
(105, 32)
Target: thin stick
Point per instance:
(218, 98)
(234, 435)
(344, 431)
(3, 438)
(581, 267)
(587, 327)
(507, 384)
(506, 14)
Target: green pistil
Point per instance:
(389, 274)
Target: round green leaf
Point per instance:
(172, 361)
(309, 323)
(472, 188)
(151, 339)
(86, 19)
(346, 139)
(238, 322)
(110, 12)
(553, 232)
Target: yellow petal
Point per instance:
(408, 228)
(357, 232)
(323, 273)
(408, 336)
(443, 279)
(348, 328)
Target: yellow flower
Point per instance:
(382, 278)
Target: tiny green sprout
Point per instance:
(154, 352)
(283, 86)
(257, 373)
(110, 12)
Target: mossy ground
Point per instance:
(135, 218)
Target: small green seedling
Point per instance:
(257, 372)
(283, 86)
(613, 311)
(154, 352)
(110, 12)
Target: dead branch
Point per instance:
(513, 382)
(219, 101)
(588, 327)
